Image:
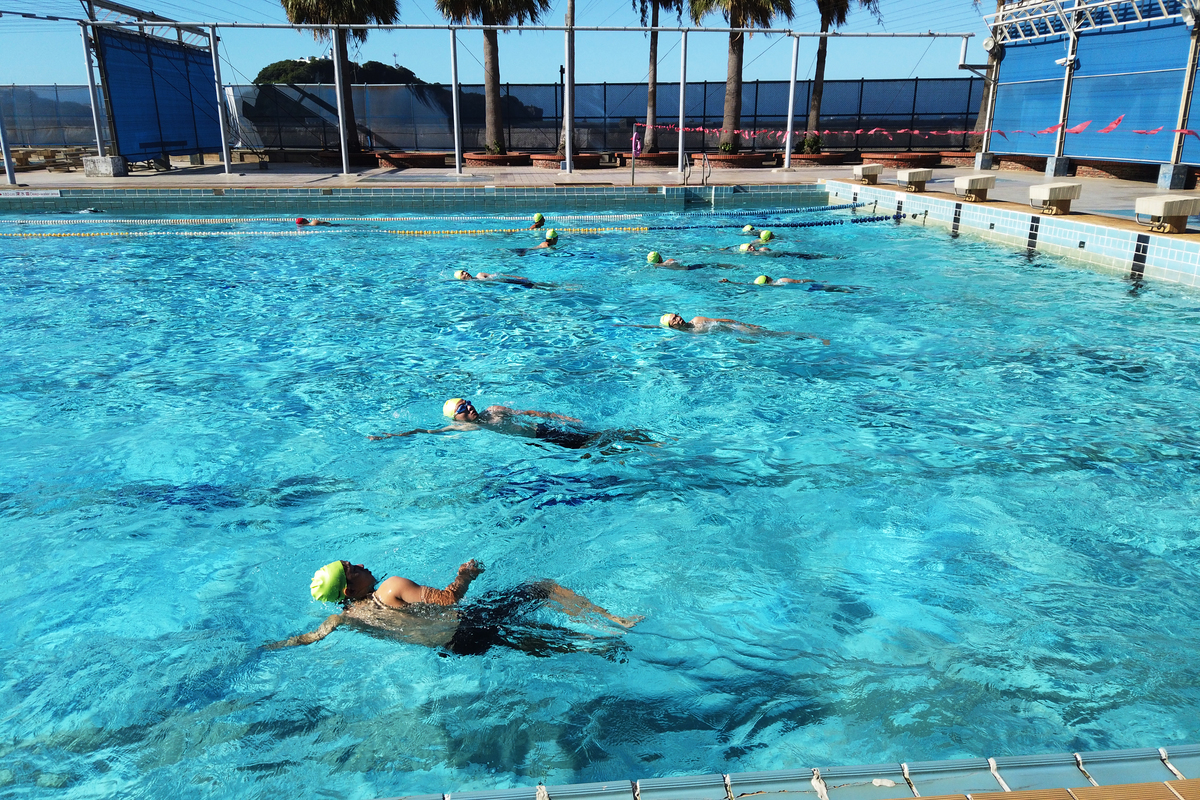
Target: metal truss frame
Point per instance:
(1030, 20)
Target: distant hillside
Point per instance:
(320, 70)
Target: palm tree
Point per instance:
(493, 12)
(653, 7)
(833, 13)
(342, 12)
(739, 14)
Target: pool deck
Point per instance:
(1170, 773)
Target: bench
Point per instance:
(868, 173)
(913, 180)
(974, 187)
(1168, 212)
(1054, 198)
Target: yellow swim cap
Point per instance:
(762, 280)
(449, 406)
(744, 247)
(538, 218)
(665, 319)
(653, 257)
(551, 235)
(461, 274)
(748, 229)
(766, 236)
(329, 582)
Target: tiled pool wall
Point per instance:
(978, 777)
(1130, 254)
(355, 200)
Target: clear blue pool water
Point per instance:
(967, 527)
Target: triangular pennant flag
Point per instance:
(1151, 133)
(1112, 126)
(1080, 128)
(1052, 128)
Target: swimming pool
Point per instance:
(966, 526)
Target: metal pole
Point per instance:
(1185, 102)
(568, 104)
(87, 62)
(338, 33)
(1060, 139)
(458, 159)
(212, 43)
(682, 92)
(787, 145)
(9, 170)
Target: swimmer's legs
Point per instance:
(576, 605)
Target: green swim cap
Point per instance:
(329, 582)
(653, 257)
(538, 218)
(766, 236)
(748, 229)
(762, 280)
(744, 247)
(551, 235)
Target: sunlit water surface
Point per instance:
(966, 527)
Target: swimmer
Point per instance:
(749, 230)
(765, 236)
(547, 244)
(500, 277)
(312, 223)
(655, 259)
(813, 286)
(538, 221)
(506, 420)
(407, 611)
(714, 324)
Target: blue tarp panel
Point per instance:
(162, 95)
(1137, 71)
(1028, 97)
(1026, 107)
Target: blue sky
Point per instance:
(46, 52)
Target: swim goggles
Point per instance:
(463, 407)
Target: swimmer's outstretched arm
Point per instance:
(512, 412)
(383, 436)
(327, 627)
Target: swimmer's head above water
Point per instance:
(538, 218)
(460, 410)
(762, 280)
(301, 221)
(671, 320)
(745, 247)
(552, 236)
(653, 257)
(462, 275)
(341, 580)
(748, 229)
(766, 236)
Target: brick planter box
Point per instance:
(1121, 170)
(494, 160)
(751, 160)
(1021, 163)
(903, 160)
(407, 160)
(812, 159)
(957, 158)
(662, 159)
(554, 160)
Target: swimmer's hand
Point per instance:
(472, 569)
